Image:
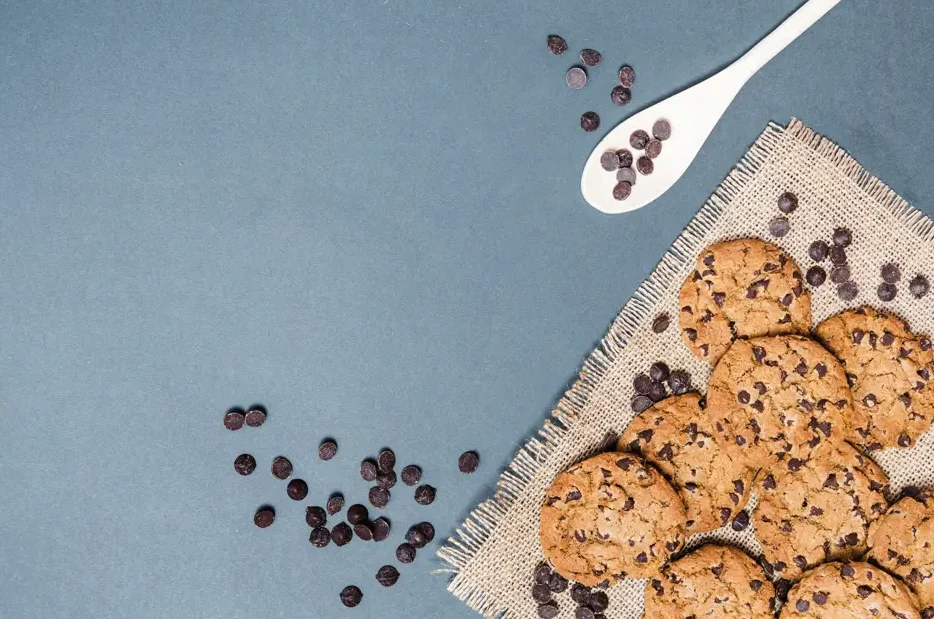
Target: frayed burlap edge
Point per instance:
(460, 550)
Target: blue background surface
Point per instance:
(363, 214)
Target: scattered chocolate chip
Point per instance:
(368, 470)
(297, 489)
(281, 468)
(335, 503)
(661, 129)
(379, 497)
(626, 175)
(425, 495)
(653, 149)
(327, 450)
(818, 251)
(627, 76)
(411, 475)
(386, 479)
(620, 95)
(387, 575)
(380, 529)
(357, 513)
(341, 534)
(847, 291)
(590, 121)
(886, 292)
(320, 537)
(639, 139)
(741, 521)
(657, 392)
(416, 537)
(576, 78)
(351, 596)
(679, 381)
(840, 274)
(405, 553)
(842, 237)
(264, 517)
(590, 57)
(583, 612)
(541, 593)
(598, 601)
(622, 190)
(245, 464)
(787, 202)
(363, 531)
(428, 529)
(609, 161)
(890, 273)
(918, 286)
(315, 516)
(779, 227)
(815, 276)
(660, 323)
(233, 419)
(557, 45)
(548, 611)
(557, 583)
(641, 403)
(659, 371)
(386, 461)
(255, 417)
(645, 166)
(468, 462)
(838, 254)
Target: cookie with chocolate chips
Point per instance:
(609, 517)
(712, 581)
(779, 397)
(819, 509)
(678, 437)
(902, 541)
(849, 591)
(890, 371)
(740, 289)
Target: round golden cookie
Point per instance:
(890, 371)
(742, 288)
(849, 591)
(902, 541)
(779, 397)
(712, 581)
(818, 509)
(677, 436)
(609, 517)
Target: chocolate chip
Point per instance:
(387, 575)
(327, 450)
(639, 139)
(890, 273)
(620, 95)
(645, 166)
(579, 593)
(386, 461)
(661, 129)
(779, 227)
(411, 475)
(351, 596)
(428, 529)
(851, 539)
(548, 611)
(741, 521)
(887, 339)
(642, 383)
(802, 606)
(386, 479)
(424, 495)
(768, 483)
(657, 392)
(245, 464)
(609, 161)
(847, 291)
(653, 149)
(847, 571)
(363, 531)
(640, 403)
(590, 121)
(297, 489)
(379, 497)
(576, 78)
(405, 553)
(787, 202)
(416, 537)
(319, 537)
(255, 417)
(557, 45)
(627, 76)
(335, 503)
(315, 516)
(820, 598)
(541, 594)
(818, 251)
(679, 381)
(864, 591)
(842, 237)
(590, 57)
(660, 323)
(840, 274)
(918, 286)
(542, 573)
(659, 371)
(341, 534)
(368, 470)
(622, 190)
(281, 468)
(886, 292)
(598, 601)
(264, 517)
(584, 612)
(904, 440)
(357, 513)
(815, 276)
(625, 161)
(837, 254)
(233, 419)
(557, 583)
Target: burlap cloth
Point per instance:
(493, 553)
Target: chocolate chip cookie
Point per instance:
(779, 397)
(819, 509)
(902, 541)
(742, 288)
(610, 517)
(849, 591)
(712, 581)
(889, 369)
(677, 436)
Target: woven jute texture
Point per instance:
(493, 553)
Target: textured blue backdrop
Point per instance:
(364, 214)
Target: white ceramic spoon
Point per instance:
(693, 113)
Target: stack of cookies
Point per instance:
(791, 415)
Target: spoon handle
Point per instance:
(779, 39)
